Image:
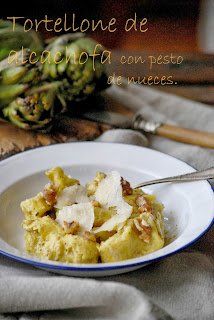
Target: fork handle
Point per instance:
(193, 176)
(199, 138)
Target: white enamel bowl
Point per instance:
(189, 207)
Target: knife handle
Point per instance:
(199, 138)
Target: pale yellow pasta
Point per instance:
(50, 238)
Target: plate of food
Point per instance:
(70, 208)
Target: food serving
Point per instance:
(104, 221)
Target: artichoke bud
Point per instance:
(75, 64)
(37, 109)
(14, 81)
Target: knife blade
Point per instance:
(112, 118)
(185, 135)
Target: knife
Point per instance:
(199, 138)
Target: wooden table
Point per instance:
(194, 77)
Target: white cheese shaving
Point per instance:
(83, 213)
(109, 194)
(70, 195)
(112, 223)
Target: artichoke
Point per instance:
(15, 80)
(38, 108)
(79, 78)
(14, 40)
(31, 95)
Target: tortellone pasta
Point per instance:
(105, 221)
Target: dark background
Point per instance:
(172, 23)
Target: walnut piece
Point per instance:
(144, 229)
(89, 236)
(50, 193)
(143, 204)
(127, 190)
(52, 214)
(71, 227)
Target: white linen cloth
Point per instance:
(178, 287)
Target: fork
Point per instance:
(193, 176)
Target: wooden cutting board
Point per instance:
(14, 139)
(65, 128)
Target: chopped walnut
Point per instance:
(95, 203)
(50, 193)
(143, 204)
(89, 236)
(52, 214)
(144, 229)
(127, 189)
(71, 227)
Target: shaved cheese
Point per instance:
(83, 213)
(109, 194)
(109, 191)
(110, 224)
(70, 195)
